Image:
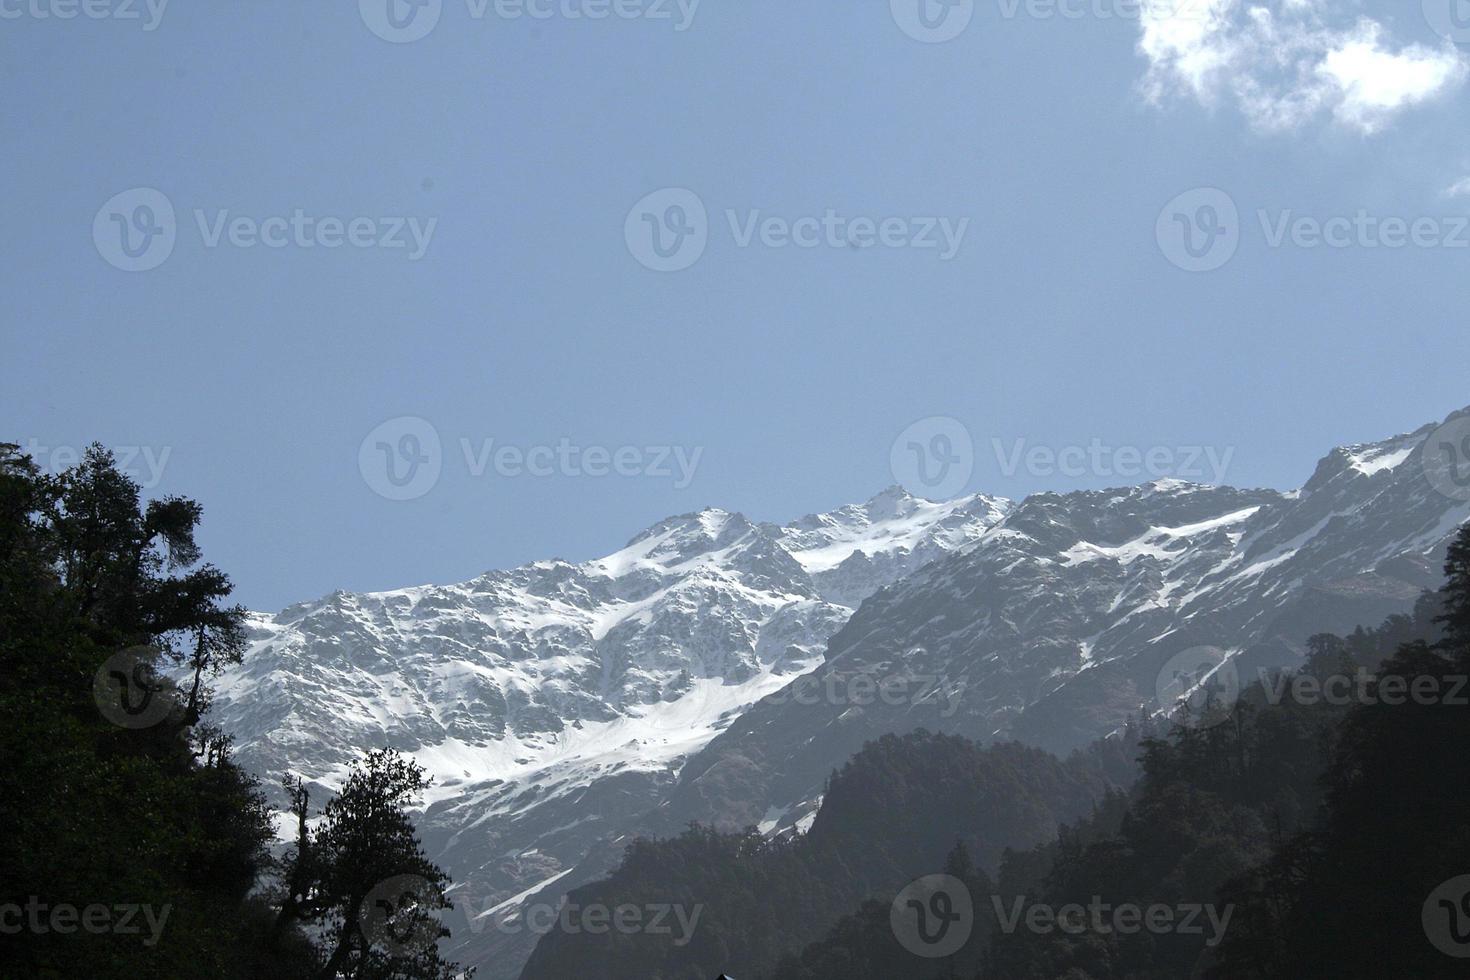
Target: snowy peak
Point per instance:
(567, 695)
(686, 536)
(852, 552)
(1373, 459)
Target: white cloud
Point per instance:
(1282, 62)
(1460, 188)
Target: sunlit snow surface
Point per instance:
(553, 674)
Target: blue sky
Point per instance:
(1066, 156)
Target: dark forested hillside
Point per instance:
(1380, 879)
(894, 811)
(1293, 832)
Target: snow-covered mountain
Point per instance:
(1054, 628)
(554, 701)
(717, 669)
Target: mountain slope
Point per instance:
(1055, 626)
(893, 812)
(555, 701)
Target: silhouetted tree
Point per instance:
(364, 878)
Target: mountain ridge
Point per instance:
(566, 707)
(555, 700)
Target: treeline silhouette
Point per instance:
(120, 808)
(1320, 811)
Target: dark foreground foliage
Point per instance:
(133, 846)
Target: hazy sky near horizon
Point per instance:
(285, 247)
